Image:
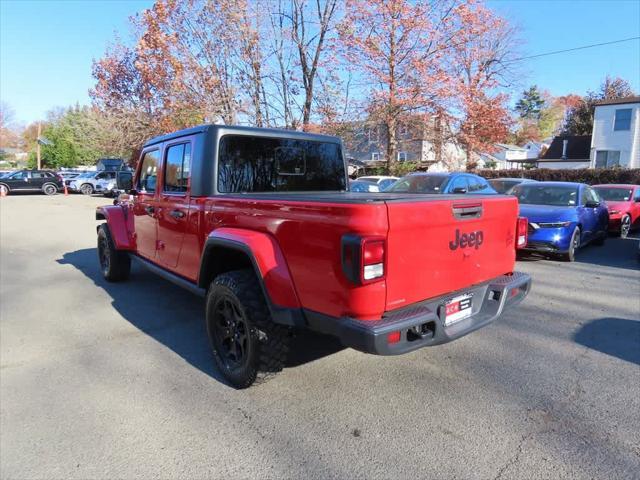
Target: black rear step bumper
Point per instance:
(489, 300)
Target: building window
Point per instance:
(402, 156)
(373, 134)
(375, 157)
(623, 119)
(607, 158)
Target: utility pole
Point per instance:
(38, 145)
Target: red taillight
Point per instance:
(363, 258)
(522, 232)
(393, 337)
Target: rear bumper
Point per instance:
(489, 301)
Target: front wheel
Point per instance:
(4, 189)
(247, 345)
(114, 264)
(570, 255)
(49, 189)
(86, 189)
(625, 226)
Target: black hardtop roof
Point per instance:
(243, 130)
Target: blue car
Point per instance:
(442, 183)
(562, 216)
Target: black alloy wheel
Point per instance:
(231, 332)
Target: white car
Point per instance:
(107, 187)
(92, 182)
(383, 181)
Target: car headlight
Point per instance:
(554, 224)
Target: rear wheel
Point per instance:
(625, 226)
(49, 189)
(114, 264)
(86, 188)
(570, 255)
(247, 345)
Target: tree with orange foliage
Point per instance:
(396, 47)
(479, 61)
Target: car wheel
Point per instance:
(625, 226)
(247, 345)
(570, 255)
(114, 264)
(4, 189)
(49, 189)
(86, 189)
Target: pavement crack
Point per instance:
(515, 459)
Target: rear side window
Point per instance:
(459, 182)
(38, 175)
(148, 172)
(474, 184)
(176, 170)
(257, 164)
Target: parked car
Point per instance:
(107, 187)
(442, 183)
(362, 186)
(89, 183)
(274, 241)
(503, 185)
(563, 216)
(68, 177)
(45, 181)
(382, 181)
(623, 202)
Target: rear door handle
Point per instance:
(177, 213)
(149, 209)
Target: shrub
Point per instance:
(589, 176)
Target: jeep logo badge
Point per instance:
(472, 239)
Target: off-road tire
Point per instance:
(267, 343)
(570, 256)
(87, 189)
(115, 264)
(49, 188)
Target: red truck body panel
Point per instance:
(309, 235)
(269, 260)
(421, 263)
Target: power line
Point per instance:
(574, 49)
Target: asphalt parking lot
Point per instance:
(105, 380)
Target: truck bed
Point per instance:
(353, 197)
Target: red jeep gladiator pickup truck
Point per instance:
(261, 224)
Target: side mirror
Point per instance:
(459, 190)
(592, 204)
(124, 181)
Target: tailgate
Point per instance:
(437, 246)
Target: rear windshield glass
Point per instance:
(501, 186)
(615, 194)
(256, 164)
(419, 184)
(555, 195)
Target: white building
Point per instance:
(508, 156)
(534, 148)
(616, 133)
